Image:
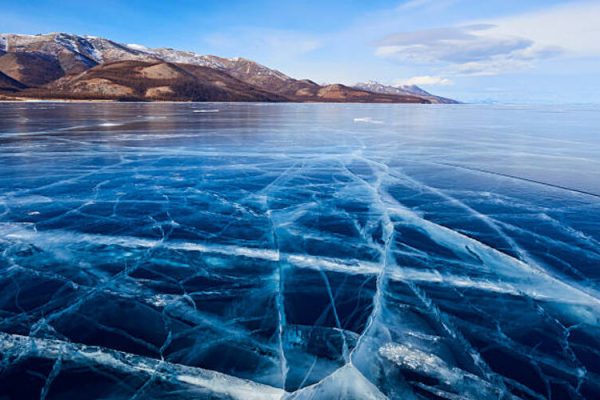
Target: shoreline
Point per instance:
(38, 100)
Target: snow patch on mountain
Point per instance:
(377, 87)
(138, 47)
(80, 45)
(187, 57)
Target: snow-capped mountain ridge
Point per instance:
(101, 50)
(38, 60)
(376, 87)
(380, 88)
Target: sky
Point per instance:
(504, 51)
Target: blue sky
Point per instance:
(527, 51)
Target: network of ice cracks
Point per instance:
(178, 256)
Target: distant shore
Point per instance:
(59, 100)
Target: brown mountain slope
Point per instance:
(274, 81)
(342, 93)
(138, 80)
(8, 84)
(265, 78)
(31, 69)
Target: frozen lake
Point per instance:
(303, 251)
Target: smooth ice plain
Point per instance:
(299, 251)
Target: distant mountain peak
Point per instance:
(377, 87)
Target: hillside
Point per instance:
(139, 80)
(65, 66)
(402, 90)
(9, 84)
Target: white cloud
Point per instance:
(496, 46)
(426, 80)
(467, 49)
(573, 27)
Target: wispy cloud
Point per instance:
(497, 46)
(425, 80)
(464, 48)
(573, 27)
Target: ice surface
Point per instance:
(278, 251)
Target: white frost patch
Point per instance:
(368, 120)
(424, 362)
(263, 254)
(417, 275)
(28, 200)
(107, 124)
(345, 383)
(242, 391)
(159, 300)
(313, 262)
(216, 382)
(419, 361)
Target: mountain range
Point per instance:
(65, 66)
(402, 90)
